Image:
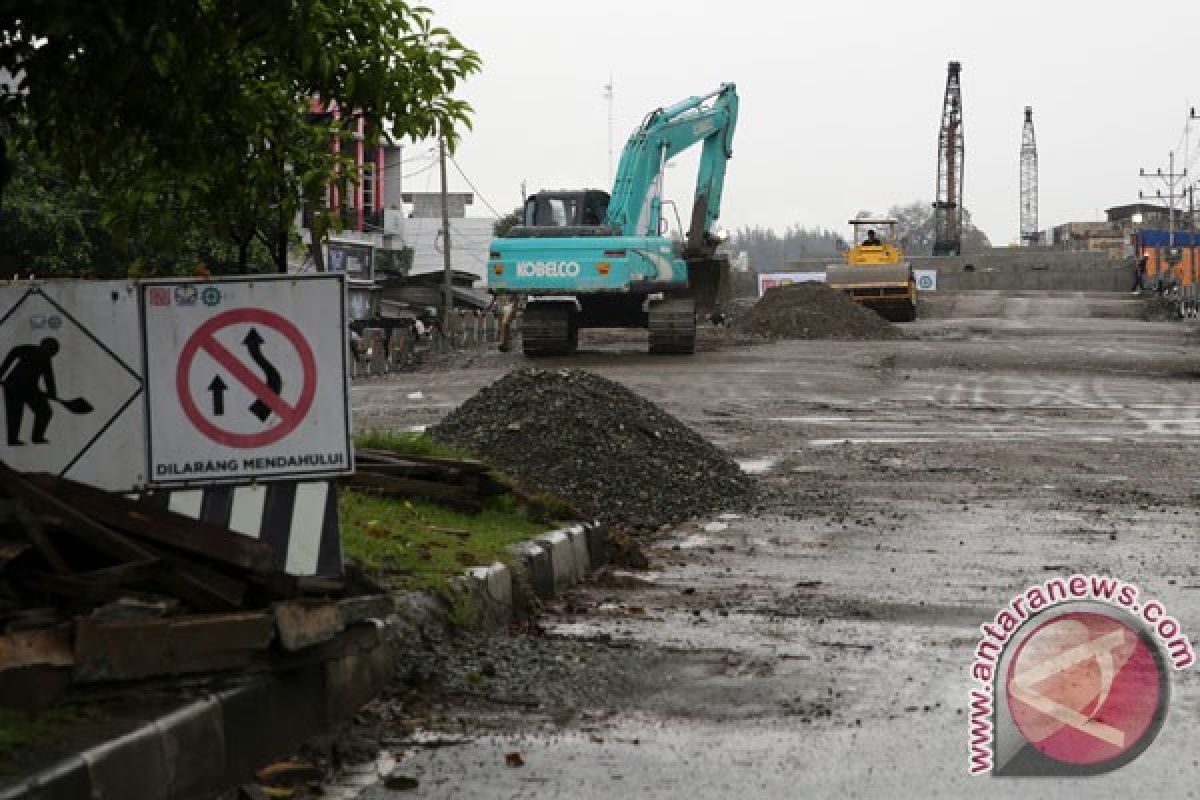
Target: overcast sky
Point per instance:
(840, 102)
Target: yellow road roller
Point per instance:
(875, 273)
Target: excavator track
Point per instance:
(672, 325)
(547, 329)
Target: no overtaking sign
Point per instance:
(246, 379)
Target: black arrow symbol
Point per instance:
(254, 343)
(218, 387)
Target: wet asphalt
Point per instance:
(822, 647)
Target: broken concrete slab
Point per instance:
(302, 624)
(202, 643)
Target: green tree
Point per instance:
(768, 250)
(915, 230)
(44, 226)
(502, 226)
(189, 118)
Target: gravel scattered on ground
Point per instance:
(1159, 308)
(812, 310)
(607, 451)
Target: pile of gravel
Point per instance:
(1158, 308)
(613, 455)
(813, 311)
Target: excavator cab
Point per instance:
(563, 209)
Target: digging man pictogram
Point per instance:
(27, 377)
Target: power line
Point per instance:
(420, 171)
(478, 193)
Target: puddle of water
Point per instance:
(757, 466)
(695, 540)
(417, 428)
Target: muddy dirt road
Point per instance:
(822, 648)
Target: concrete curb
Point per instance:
(219, 740)
(542, 568)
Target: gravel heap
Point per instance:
(613, 455)
(1160, 309)
(812, 310)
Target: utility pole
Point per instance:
(608, 95)
(447, 271)
(1170, 180)
(1192, 188)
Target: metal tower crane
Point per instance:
(1029, 182)
(947, 208)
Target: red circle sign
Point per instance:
(204, 339)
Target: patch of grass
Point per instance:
(23, 729)
(413, 544)
(405, 443)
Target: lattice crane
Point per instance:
(1029, 182)
(947, 208)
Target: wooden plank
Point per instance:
(420, 471)
(79, 525)
(388, 457)
(75, 587)
(164, 527)
(303, 624)
(37, 648)
(30, 526)
(201, 587)
(405, 488)
(11, 549)
(39, 539)
(144, 648)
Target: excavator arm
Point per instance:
(636, 204)
(574, 272)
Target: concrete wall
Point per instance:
(1014, 269)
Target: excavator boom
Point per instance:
(575, 267)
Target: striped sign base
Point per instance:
(299, 519)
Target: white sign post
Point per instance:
(70, 374)
(246, 379)
(926, 279)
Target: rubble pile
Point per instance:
(813, 311)
(1160, 308)
(612, 454)
(96, 587)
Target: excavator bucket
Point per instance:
(710, 283)
(888, 289)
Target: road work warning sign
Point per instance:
(70, 380)
(246, 379)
